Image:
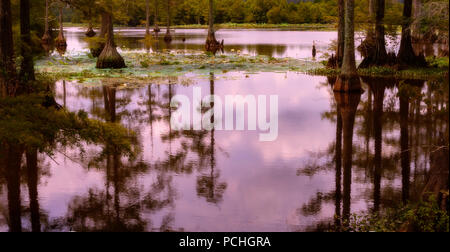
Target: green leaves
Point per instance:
(24, 120)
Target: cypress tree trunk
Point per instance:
(104, 28)
(10, 163)
(368, 44)
(417, 12)
(98, 46)
(338, 167)
(60, 40)
(168, 36)
(405, 155)
(349, 62)
(335, 61)
(27, 67)
(47, 38)
(8, 76)
(378, 92)
(349, 80)
(147, 18)
(406, 56)
(212, 45)
(378, 55)
(156, 29)
(110, 58)
(348, 104)
(211, 39)
(32, 182)
(341, 34)
(90, 32)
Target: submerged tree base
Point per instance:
(47, 38)
(97, 49)
(376, 59)
(168, 37)
(411, 60)
(110, 58)
(212, 45)
(90, 33)
(61, 43)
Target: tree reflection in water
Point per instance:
(387, 145)
(386, 106)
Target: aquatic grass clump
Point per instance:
(388, 72)
(424, 216)
(438, 62)
(303, 27)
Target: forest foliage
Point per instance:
(133, 12)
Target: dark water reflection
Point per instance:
(335, 155)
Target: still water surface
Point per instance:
(274, 43)
(229, 180)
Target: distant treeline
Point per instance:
(186, 12)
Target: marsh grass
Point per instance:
(424, 216)
(430, 73)
(168, 63)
